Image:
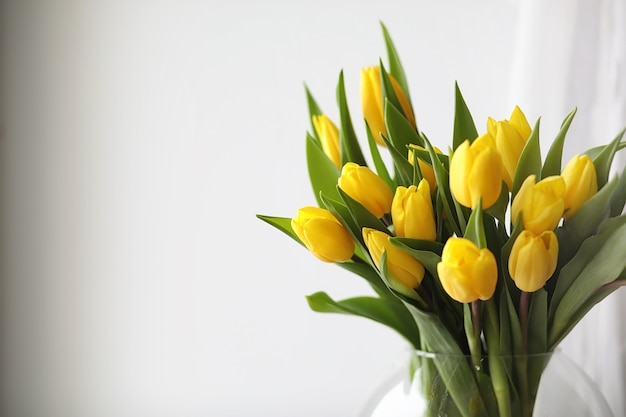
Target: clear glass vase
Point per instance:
(435, 385)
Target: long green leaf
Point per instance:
(453, 367)
(464, 126)
(314, 110)
(350, 148)
(529, 161)
(379, 164)
(475, 230)
(403, 168)
(388, 92)
(389, 313)
(323, 174)
(395, 66)
(401, 133)
(599, 261)
(604, 160)
(281, 223)
(552, 164)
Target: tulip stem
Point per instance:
(523, 360)
(475, 344)
(523, 319)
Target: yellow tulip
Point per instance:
(476, 172)
(323, 234)
(329, 136)
(581, 183)
(467, 273)
(540, 204)
(427, 170)
(412, 212)
(510, 145)
(519, 122)
(373, 105)
(402, 266)
(533, 259)
(367, 188)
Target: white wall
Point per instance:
(141, 138)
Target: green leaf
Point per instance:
(425, 251)
(281, 223)
(389, 313)
(322, 172)
(350, 148)
(618, 199)
(578, 315)
(584, 222)
(395, 66)
(314, 110)
(594, 152)
(604, 160)
(388, 92)
(370, 274)
(379, 164)
(552, 164)
(475, 230)
(443, 188)
(401, 133)
(529, 161)
(600, 260)
(464, 127)
(403, 168)
(453, 368)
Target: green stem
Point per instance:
(472, 331)
(522, 361)
(497, 366)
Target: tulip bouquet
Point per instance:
(486, 252)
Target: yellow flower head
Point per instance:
(581, 183)
(426, 169)
(403, 267)
(322, 234)
(412, 212)
(533, 259)
(476, 172)
(329, 136)
(467, 273)
(367, 188)
(540, 204)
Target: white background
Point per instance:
(139, 141)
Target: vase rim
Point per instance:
(432, 355)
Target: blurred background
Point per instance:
(139, 139)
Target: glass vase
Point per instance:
(436, 385)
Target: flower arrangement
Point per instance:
(484, 251)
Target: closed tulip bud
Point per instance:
(519, 122)
(367, 188)
(581, 183)
(402, 266)
(533, 259)
(476, 172)
(323, 235)
(427, 170)
(467, 273)
(329, 136)
(540, 204)
(510, 145)
(412, 212)
(373, 105)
